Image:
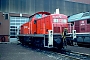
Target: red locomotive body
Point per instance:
(55, 22)
(51, 22)
(25, 28)
(83, 26)
(59, 23)
(43, 25)
(44, 30)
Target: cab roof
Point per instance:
(47, 13)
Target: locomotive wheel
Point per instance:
(58, 43)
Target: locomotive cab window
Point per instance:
(38, 16)
(88, 21)
(45, 15)
(35, 21)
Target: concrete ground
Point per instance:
(18, 52)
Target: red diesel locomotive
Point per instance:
(81, 23)
(44, 30)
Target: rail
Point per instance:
(66, 55)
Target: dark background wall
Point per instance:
(32, 6)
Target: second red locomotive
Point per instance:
(81, 23)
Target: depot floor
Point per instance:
(18, 52)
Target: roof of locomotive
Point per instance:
(80, 16)
(38, 15)
(47, 13)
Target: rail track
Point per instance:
(77, 55)
(64, 54)
(68, 55)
